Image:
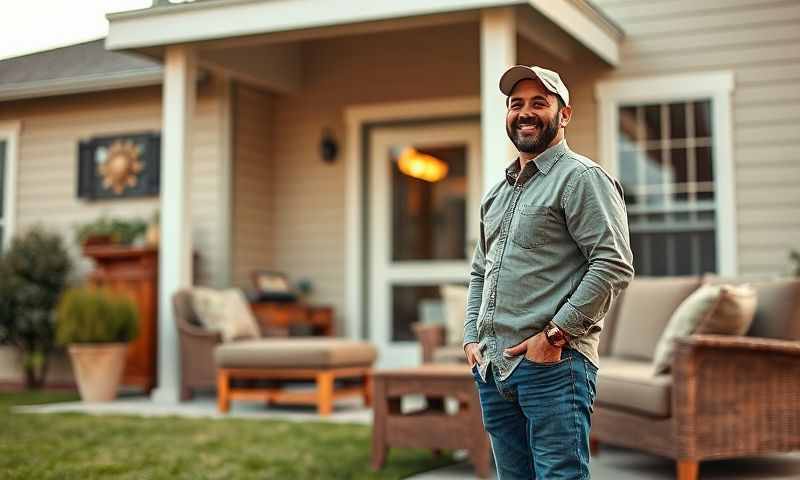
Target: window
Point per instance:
(669, 145)
(665, 165)
(9, 133)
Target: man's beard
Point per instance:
(533, 144)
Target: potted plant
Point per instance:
(105, 231)
(96, 325)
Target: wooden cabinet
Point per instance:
(133, 271)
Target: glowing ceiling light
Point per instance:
(422, 166)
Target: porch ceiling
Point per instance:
(229, 23)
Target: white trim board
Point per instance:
(716, 85)
(9, 132)
(356, 117)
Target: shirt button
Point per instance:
(491, 295)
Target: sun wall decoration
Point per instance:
(121, 167)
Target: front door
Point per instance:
(424, 191)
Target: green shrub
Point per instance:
(33, 273)
(95, 315)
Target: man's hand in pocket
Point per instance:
(473, 353)
(536, 349)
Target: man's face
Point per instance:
(533, 119)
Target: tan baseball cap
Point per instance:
(550, 79)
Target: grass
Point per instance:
(79, 446)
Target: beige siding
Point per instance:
(759, 40)
(309, 213)
(253, 212)
(47, 169)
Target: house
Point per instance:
(693, 105)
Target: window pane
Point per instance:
(708, 252)
(702, 119)
(658, 257)
(429, 217)
(628, 131)
(680, 170)
(652, 119)
(654, 167)
(684, 251)
(677, 120)
(705, 165)
(628, 167)
(409, 305)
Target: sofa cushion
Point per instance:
(208, 305)
(294, 353)
(711, 309)
(645, 311)
(778, 310)
(454, 298)
(449, 354)
(225, 311)
(631, 385)
(609, 322)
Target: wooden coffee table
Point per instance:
(432, 427)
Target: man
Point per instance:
(553, 253)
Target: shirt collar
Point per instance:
(543, 162)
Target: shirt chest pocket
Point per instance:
(534, 226)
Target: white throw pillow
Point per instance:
(240, 324)
(225, 311)
(209, 307)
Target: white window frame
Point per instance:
(717, 86)
(9, 132)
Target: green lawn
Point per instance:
(78, 446)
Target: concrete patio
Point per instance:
(611, 464)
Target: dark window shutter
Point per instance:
(85, 170)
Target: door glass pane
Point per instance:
(429, 198)
(412, 304)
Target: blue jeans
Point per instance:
(538, 420)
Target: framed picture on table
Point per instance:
(271, 286)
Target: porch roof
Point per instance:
(224, 19)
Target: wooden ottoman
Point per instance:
(433, 427)
(322, 360)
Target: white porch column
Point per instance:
(498, 52)
(175, 255)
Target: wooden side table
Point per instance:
(284, 314)
(433, 427)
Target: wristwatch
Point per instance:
(555, 336)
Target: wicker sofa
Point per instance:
(725, 397)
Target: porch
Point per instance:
(370, 83)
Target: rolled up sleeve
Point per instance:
(594, 209)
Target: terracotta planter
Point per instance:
(98, 369)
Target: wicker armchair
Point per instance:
(196, 347)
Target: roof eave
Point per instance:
(86, 83)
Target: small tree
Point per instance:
(33, 274)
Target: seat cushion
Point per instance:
(631, 385)
(294, 353)
(645, 311)
(449, 354)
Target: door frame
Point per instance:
(9, 132)
(383, 272)
(359, 120)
